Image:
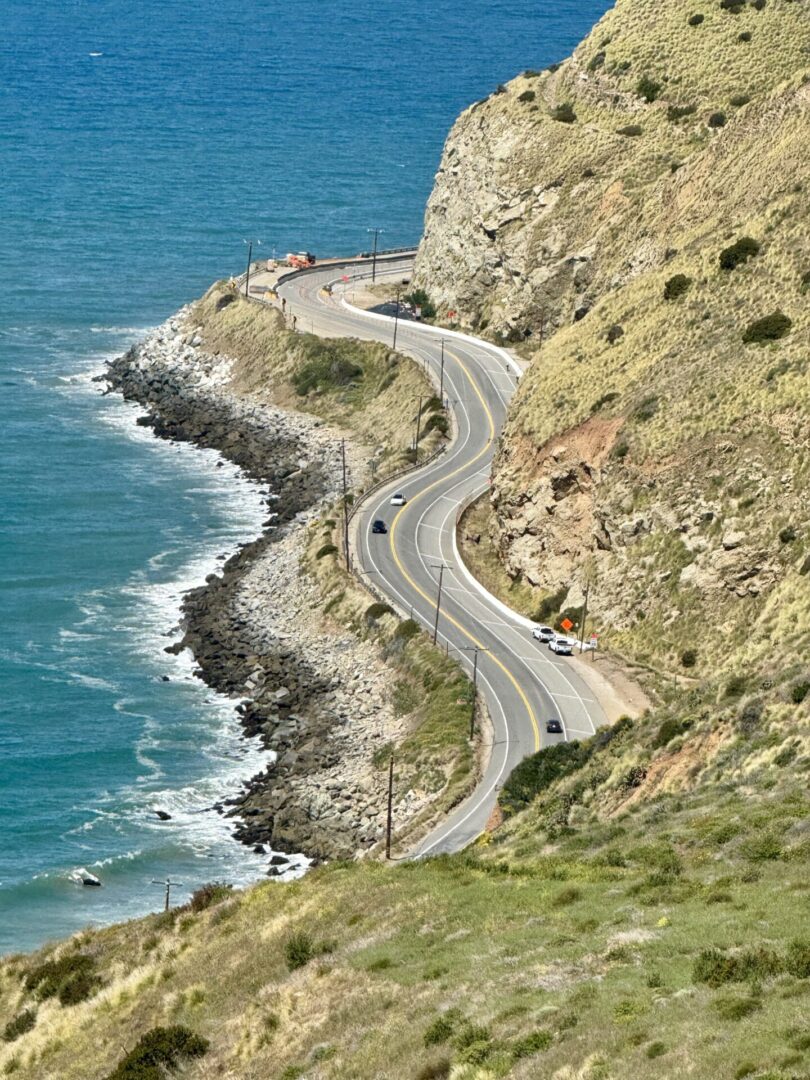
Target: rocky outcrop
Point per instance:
(581, 215)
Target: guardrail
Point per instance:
(393, 476)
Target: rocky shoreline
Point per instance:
(255, 629)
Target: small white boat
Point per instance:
(80, 876)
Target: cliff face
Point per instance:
(582, 214)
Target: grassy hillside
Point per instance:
(647, 248)
(360, 385)
(644, 914)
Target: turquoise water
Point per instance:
(140, 144)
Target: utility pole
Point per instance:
(584, 617)
(250, 244)
(374, 254)
(345, 503)
(418, 431)
(475, 650)
(441, 378)
(389, 819)
(168, 885)
(441, 568)
(396, 318)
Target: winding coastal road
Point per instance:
(524, 684)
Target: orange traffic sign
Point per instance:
(567, 625)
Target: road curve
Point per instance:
(524, 684)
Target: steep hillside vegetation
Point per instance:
(636, 223)
(642, 912)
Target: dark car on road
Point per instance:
(378, 526)
(554, 727)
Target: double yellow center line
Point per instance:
(442, 480)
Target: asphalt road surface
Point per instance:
(524, 684)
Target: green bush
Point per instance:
(419, 298)
(667, 732)
(377, 610)
(688, 658)
(567, 896)
(443, 1027)
(72, 979)
(631, 130)
(22, 1023)
(406, 630)
(298, 950)
(744, 36)
(770, 328)
(435, 1070)
(731, 1008)
(527, 95)
(655, 1049)
(209, 894)
(734, 6)
(739, 100)
(716, 967)
(806, 280)
(327, 549)
(596, 61)
(437, 422)
(605, 399)
(799, 692)
(564, 113)
(739, 252)
(787, 535)
(677, 286)
(797, 962)
(648, 88)
(677, 112)
(696, 20)
(531, 1044)
(157, 1051)
(758, 5)
(647, 409)
(614, 333)
(535, 773)
(717, 120)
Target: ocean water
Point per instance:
(140, 145)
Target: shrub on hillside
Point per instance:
(696, 20)
(630, 130)
(527, 95)
(647, 409)
(564, 113)
(72, 979)
(327, 549)
(715, 967)
(532, 1044)
(744, 36)
(797, 962)
(443, 1027)
(799, 692)
(806, 280)
(596, 61)
(648, 88)
(437, 422)
(734, 6)
(739, 252)
(535, 773)
(377, 610)
(688, 658)
(406, 630)
(614, 333)
(758, 5)
(677, 112)
(739, 100)
(22, 1023)
(299, 949)
(677, 286)
(435, 1070)
(208, 895)
(717, 120)
(157, 1051)
(770, 328)
(667, 732)
(419, 298)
